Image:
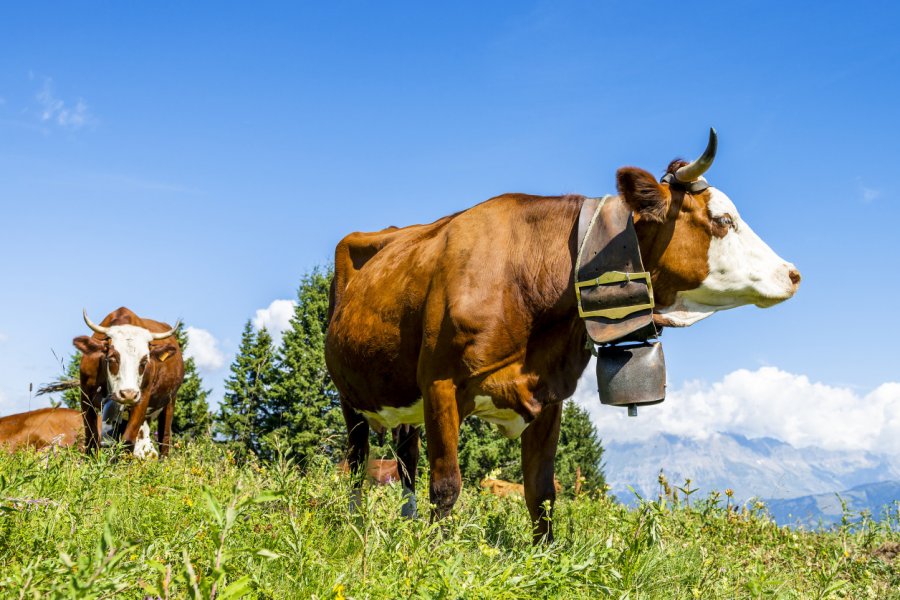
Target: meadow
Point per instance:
(203, 524)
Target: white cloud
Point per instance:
(203, 347)
(276, 318)
(55, 110)
(767, 402)
(870, 194)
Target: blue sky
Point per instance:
(194, 161)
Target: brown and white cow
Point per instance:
(476, 314)
(42, 428)
(135, 365)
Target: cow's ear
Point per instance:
(162, 353)
(643, 194)
(88, 345)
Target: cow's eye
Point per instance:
(724, 221)
(143, 364)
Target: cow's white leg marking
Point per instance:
(143, 445)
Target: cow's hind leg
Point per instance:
(407, 463)
(539, 442)
(357, 451)
(442, 431)
(92, 426)
(164, 428)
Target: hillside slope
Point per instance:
(199, 525)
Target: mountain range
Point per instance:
(798, 484)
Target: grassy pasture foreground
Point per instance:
(199, 525)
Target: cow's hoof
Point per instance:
(410, 509)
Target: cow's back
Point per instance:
(499, 265)
(41, 428)
(375, 315)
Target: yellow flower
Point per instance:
(188, 501)
(729, 492)
(338, 590)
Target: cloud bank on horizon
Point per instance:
(767, 402)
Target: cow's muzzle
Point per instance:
(127, 397)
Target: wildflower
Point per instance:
(338, 590)
(196, 471)
(188, 501)
(695, 592)
(133, 557)
(488, 550)
(729, 492)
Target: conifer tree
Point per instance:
(241, 414)
(484, 451)
(580, 450)
(305, 408)
(192, 415)
(71, 398)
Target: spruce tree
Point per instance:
(192, 417)
(579, 450)
(241, 414)
(71, 398)
(484, 451)
(304, 411)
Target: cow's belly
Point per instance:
(392, 416)
(510, 422)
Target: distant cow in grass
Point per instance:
(41, 429)
(379, 470)
(137, 364)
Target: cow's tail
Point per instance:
(57, 386)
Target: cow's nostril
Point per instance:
(795, 276)
(128, 395)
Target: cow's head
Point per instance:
(701, 255)
(129, 357)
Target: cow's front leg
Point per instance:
(357, 451)
(164, 428)
(92, 425)
(137, 433)
(539, 443)
(407, 463)
(442, 435)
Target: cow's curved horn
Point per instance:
(92, 325)
(693, 171)
(165, 334)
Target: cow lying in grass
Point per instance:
(42, 428)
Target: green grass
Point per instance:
(198, 523)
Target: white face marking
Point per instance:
(143, 445)
(742, 270)
(133, 344)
